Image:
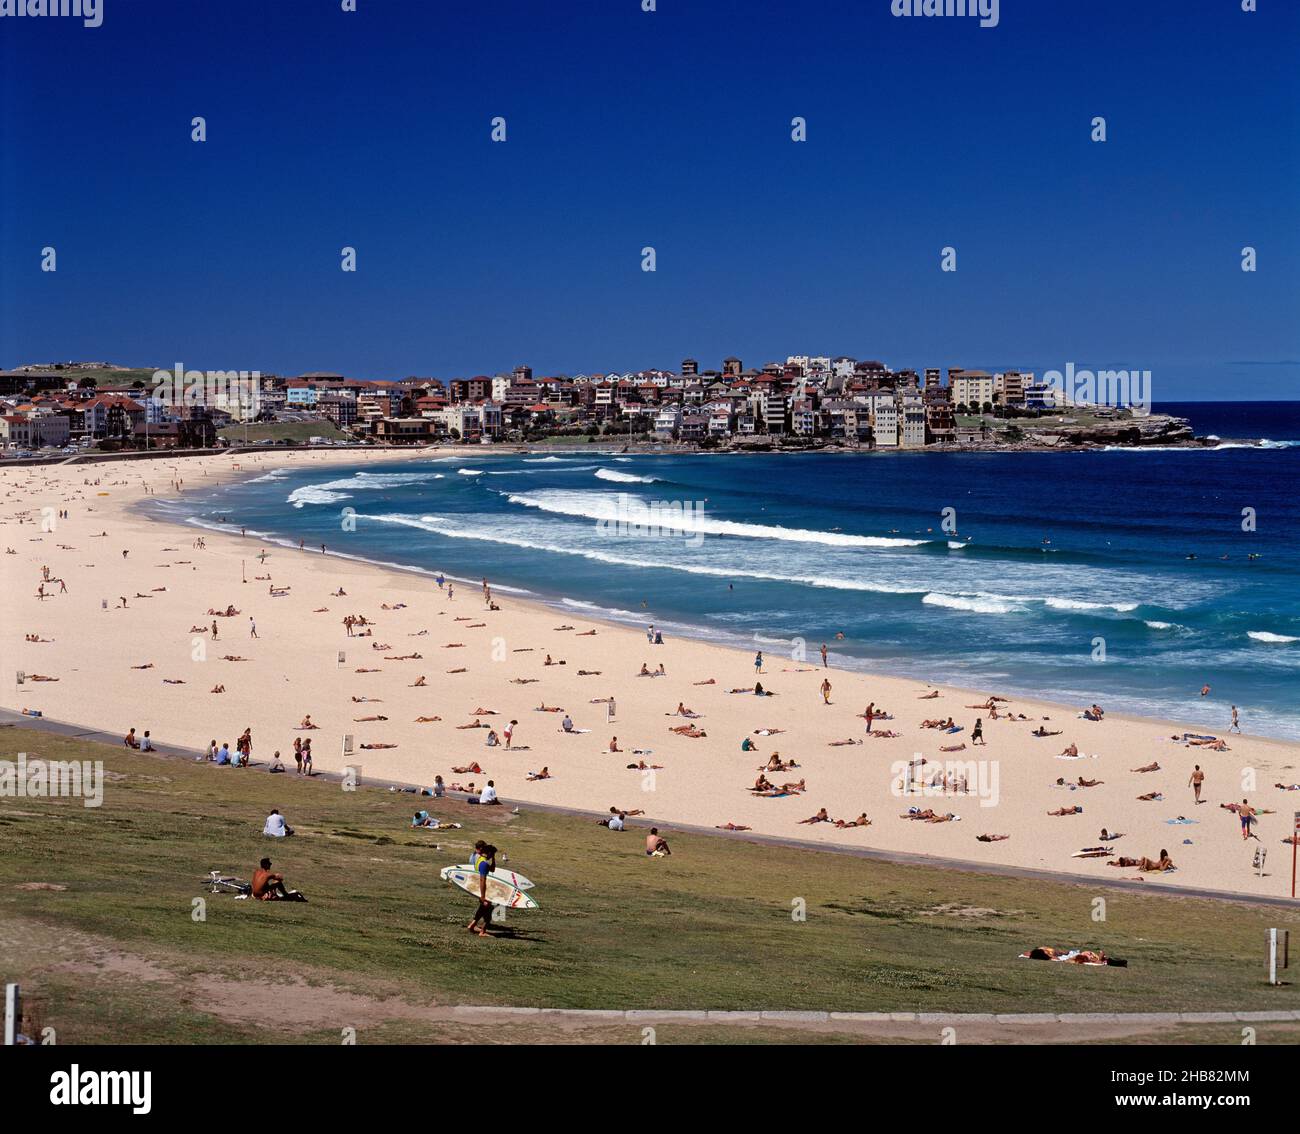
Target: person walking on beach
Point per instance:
(977, 735)
(252, 627)
(1247, 815)
(508, 732)
(650, 632)
(1236, 721)
(826, 690)
(824, 662)
(1195, 782)
(869, 715)
(758, 662)
(439, 579)
(214, 629)
(306, 757)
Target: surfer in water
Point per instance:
(484, 861)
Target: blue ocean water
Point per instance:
(1057, 557)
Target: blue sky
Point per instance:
(669, 129)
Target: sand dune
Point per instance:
(474, 658)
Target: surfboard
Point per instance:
(500, 891)
(518, 881)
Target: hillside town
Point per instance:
(806, 401)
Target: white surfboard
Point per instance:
(500, 891)
(516, 880)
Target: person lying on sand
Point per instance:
(1067, 811)
(768, 731)
(1090, 783)
(710, 681)
(1151, 797)
(466, 769)
(886, 733)
(544, 774)
(860, 821)
(367, 700)
(147, 665)
(589, 673)
(938, 723)
(731, 827)
(688, 730)
(642, 766)
(585, 634)
(1041, 731)
(992, 838)
(377, 745)
(776, 764)
(426, 720)
(463, 669)
(843, 743)
(370, 718)
(545, 708)
(820, 817)
(40, 677)
(1154, 766)
(952, 747)
(928, 696)
(472, 724)
(524, 680)
(172, 681)
(1156, 865)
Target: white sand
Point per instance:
(292, 671)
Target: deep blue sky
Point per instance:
(669, 129)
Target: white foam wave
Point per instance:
(974, 604)
(624, 478)
(469, 472)
(620, 508)
(1079, 604)
(1270, 638)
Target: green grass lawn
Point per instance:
(299, 431)
(118, 953)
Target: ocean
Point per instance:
(1063, 575)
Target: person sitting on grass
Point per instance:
(268, 887)
(655, 845)
(275, 826)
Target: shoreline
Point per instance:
(583, 772)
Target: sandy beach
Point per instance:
(129, 644)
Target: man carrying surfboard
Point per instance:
(484, 862)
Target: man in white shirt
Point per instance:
(489, 793)
(275, 826)
(616, 822)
